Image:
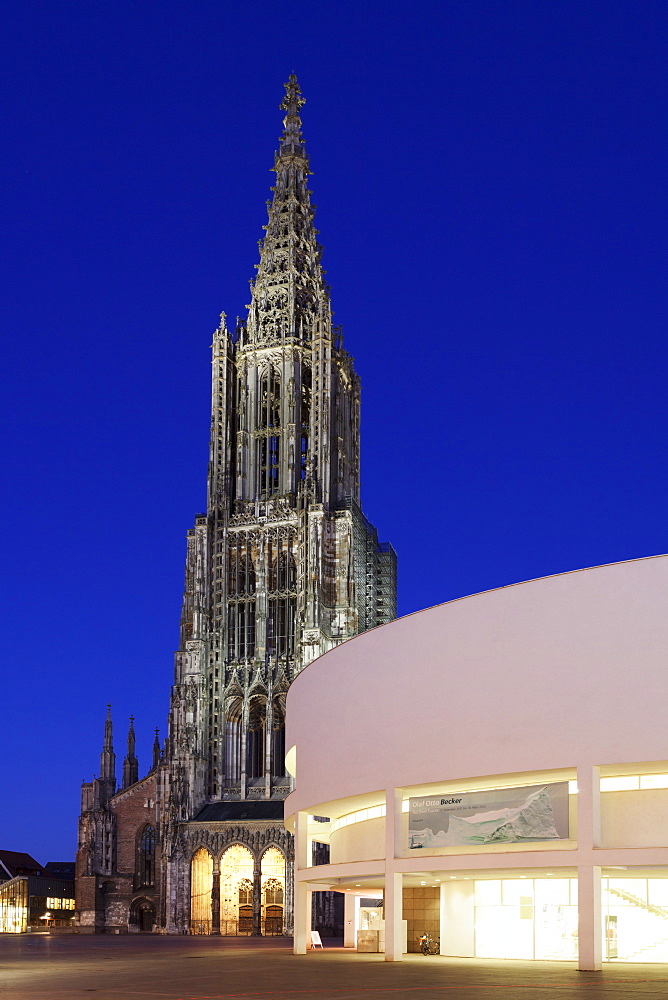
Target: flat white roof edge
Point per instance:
(479, 593)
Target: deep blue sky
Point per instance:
(491, 183)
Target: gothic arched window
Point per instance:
(233, 741)
(269, 458)
(268, 424)
(278, 740)
(282, 571)
(305, 420)
(282, 602)
(255, 736)
(241, 573)
(146, 857)
(241, 607)
(281, 625)
(270, 400)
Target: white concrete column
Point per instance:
(302, 856)
(303, 905)
(590, 936)
(349, 900)
(589, 876)
(394, 936)
(302, 893)
(589, 806)
(393, 824)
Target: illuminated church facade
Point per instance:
(281, 567)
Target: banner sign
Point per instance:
(497, 816)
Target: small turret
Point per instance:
(108, 757)
(156, 750)
(130, 764)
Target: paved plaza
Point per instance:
(40, 967)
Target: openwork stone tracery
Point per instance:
(280, 567)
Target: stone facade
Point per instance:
(280, 568)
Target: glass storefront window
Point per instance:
(488, 892)
(554, 891)
(525, 918)
(538, 919)
(635, 919)
(654, 780)
(516, 891)
(58, 903)
(657, 892)
(14, 907)
(626, 891)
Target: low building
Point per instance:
(496, 769)
(13, 863)
(34, 897)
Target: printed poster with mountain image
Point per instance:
(499, 816)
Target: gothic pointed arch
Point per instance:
(237, 865)
(272, 874)
(201, 886)
(256, 737)
(233, 735)
(142, 914)
(145, 868)
(278, 736)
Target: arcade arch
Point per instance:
(201, 885)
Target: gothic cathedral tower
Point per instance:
(281, 567)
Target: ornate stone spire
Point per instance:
(156, 750)
(108, 757)
(292, 103)
(289, 296)
(130, 764)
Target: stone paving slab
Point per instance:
(41, 967)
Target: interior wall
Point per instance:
(635, 818)
(363, 841)
(421, 913)
(457, 918)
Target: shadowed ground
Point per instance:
(37, 967)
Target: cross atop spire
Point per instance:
(291, 140)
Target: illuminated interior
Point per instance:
(236, 891)
(201, 884)
(14, 907)
(273, 892)
(526, 918)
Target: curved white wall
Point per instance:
(553, 673)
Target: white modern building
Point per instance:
(496, 768)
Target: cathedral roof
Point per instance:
(220, 811)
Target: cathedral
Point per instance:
(281, 567)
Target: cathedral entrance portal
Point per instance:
(237, 869)
(273, 892)
(142, 915)
(201, 885)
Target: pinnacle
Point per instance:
(291, 140)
